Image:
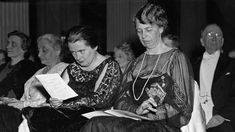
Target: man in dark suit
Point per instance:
(215, 74)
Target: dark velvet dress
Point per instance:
(68, 116)
(17, 77)
(168, 80)
(10, 117)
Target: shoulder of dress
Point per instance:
(63, 64)
(25, 62)
(177, 51)
(40, 70)
(110, 61)
(179, 54)
(139, 58)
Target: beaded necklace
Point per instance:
(133, 85)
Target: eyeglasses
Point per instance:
(212, 35)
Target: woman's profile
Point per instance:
(123, 54)
(50, 52)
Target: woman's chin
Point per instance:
(44, 63)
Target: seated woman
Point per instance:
(123, 54)
(158, 86)
(50, 52)
(93, 77)
(19, 69)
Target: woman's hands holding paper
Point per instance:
(54, 102)
(18, 104)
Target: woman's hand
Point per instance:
(54, 102)
(146, 107)
(8, 100)
(18, 105)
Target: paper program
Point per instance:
(56, 86)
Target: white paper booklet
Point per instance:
(56, 86)
(117, 113)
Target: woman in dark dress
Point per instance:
(159, 84)
(95, 78)
(13, 76)
(19, 69)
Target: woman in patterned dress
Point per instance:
(94, 77)
(159, 84)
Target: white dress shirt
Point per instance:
(207, 70)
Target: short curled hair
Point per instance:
(26, 41)
(126, 48)
(86, 33)
(151, 13)
(54, 40)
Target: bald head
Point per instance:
(212, 38)
(212, 28)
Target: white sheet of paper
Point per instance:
(56, 86)
(127, 114)
(89, 115)
(117, 113)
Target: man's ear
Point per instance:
(96, 48)
(222, 41)
(202, 42)
(58, 52)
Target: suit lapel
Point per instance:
(221, 66)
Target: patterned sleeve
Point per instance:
(105, 94)
(178, 110)
(178, 106)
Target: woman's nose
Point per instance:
(77, 56)
(39, 54)
(144, 34)
(8, 46)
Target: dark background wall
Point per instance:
(57, 16)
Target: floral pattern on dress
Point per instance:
(83, 83)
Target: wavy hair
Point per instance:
(151, 13)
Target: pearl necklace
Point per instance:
(133, 85)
